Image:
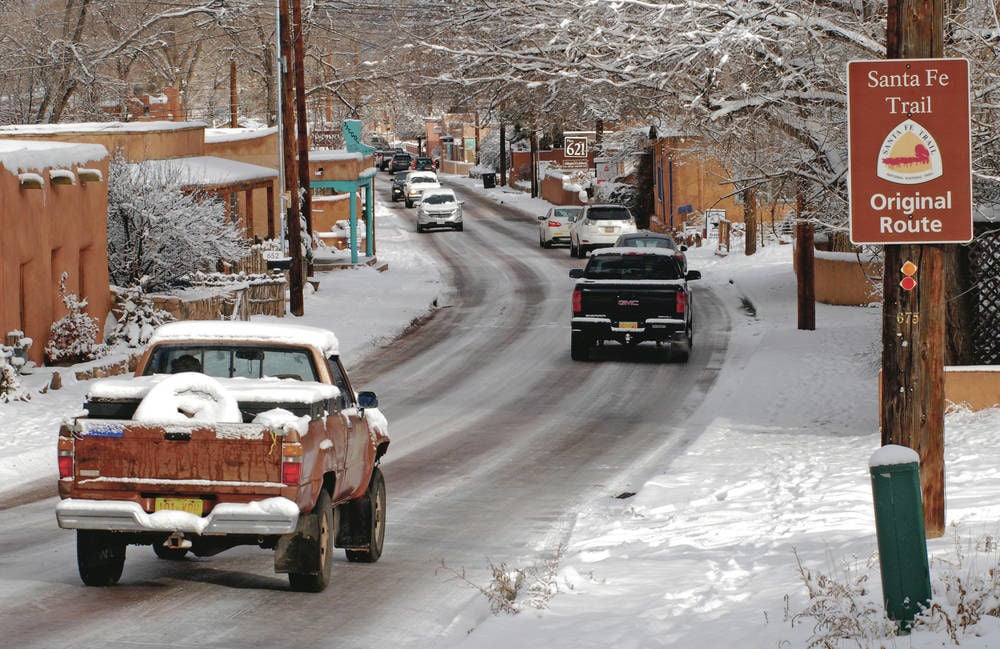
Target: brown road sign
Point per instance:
(909, 151)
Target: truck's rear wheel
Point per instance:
(99, 557)
(579, 347)
(322, 547)
(368, 513)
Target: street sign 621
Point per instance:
(575, 147)
(909, 151)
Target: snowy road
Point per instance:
(498, 440)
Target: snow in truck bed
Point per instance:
(244, 390)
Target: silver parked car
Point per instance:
(554, 226)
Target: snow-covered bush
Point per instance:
(73, 338)
(11, 359)
(161, 232)
(139, 318)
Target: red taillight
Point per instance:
(291, 472)
(65, 466)
(291, 463)
(682, 301)
(555, 224)
(577, 301)
(65, 450)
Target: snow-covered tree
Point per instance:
(74, 337)
(160, 229)
(139, 318)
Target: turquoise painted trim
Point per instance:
(370, 221)
(352, 187)
(354, 229)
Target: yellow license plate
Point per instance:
(190, 505)
(628, 325)
(609, 230)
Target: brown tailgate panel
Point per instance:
(152, 453)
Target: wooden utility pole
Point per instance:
(805, 257)
(534, 163)
(913, 322)
(302, 127)
(234, 106)
(750, 221)
(503, 154)
(293, 223)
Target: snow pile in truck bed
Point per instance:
(188, 396)
(266, 390)
(281, 419)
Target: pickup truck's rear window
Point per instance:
(630, 267)
(227, 361)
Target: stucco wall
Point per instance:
(682, 176)
(46, 232)
(555, 192)
(840, 279)
(138, 141)
(259, 147)
(975, 386)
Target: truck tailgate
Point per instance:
(175, 458)
(633, 302)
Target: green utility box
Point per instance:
(899, 526)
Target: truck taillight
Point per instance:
(577, 301)
(291, 463)
(682, 301)
(65, 450)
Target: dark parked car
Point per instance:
(647, 239)
(398, 184)
(385, 157)
(400, 162)
(424, 164)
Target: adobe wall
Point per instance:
(682, 177)
(555, 192)
(138, 141)
(258, 147)
(840, 279)
(975, 386)
(47, 231)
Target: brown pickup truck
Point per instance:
(230, 433)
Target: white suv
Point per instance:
(417, 182)
(599, 227)
(439, 208)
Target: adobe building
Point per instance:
(53, 215)
(259, 200)
(237, 167)
(686, 184)
(343, 189)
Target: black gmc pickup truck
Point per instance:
(632, 295)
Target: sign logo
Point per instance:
(909, 155)
(909, 151)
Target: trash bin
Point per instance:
(489, 180)
(899, 528)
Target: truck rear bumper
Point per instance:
(265, 517)
(652, 329)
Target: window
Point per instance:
(346, 398)
(632, 267)
(239, 361)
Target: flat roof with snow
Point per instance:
(18, 156)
